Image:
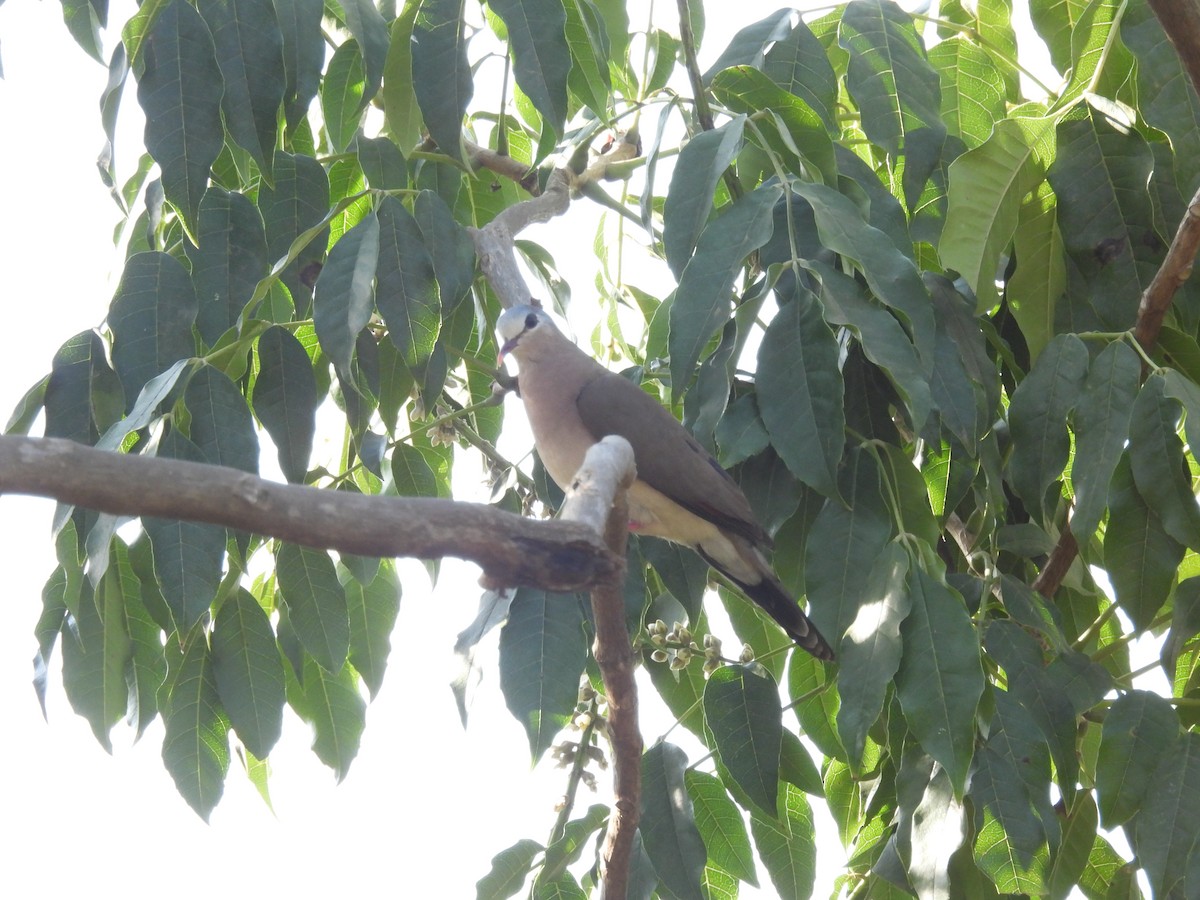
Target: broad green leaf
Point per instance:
(1010, 847)
(1140, 731)
(541, 56)
(221, 425)
(96, 651)
(798, 126)
(667, 825)
(741, 708)
(788, 846)
(180, 89)
(1156, 458)
(299, 201)
(188, 556)
(342, 94)
(1139, 555)
(799, 390)
(382, 163)
(407, 287)
(441, 75)
(316, 603)
(1164, 834)
(1100, 63)
(749, 43)
(1038, 418)
(509, 870)
(147, 668)
(151, 319)
(720, 824)
(891, 275)
(973, 89)
(450, 247)
(1101, 428)
(576, 835)
(228, 263)
(1040, 277)
(588, 41)
(335, 708)
(196, 745)
(542, 654)
(83, 395)
(248, 672)
(411, 473)
(940, 679)
(398, 95)
(285, 399)
(689, 201)
(839, 540)
(303, 52)
(345, 292)
(932, 824)
(249, 49)
(373, 610)
(1055, 20)
(869, 653)
(740, 433)
(798, 64)
(370, 31)
(27, 409)
(1079, 836)
(986, 188)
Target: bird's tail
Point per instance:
(783, 608)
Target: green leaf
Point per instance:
(1100, 63)
(940, 679)
(576, 835)
(441, 75)
(151, 319)
(449, 246)
(248, 672)
(83, 395)
(973, 89)
(180, 89)
(509, 870)
(542, 654)
(188, 556)
(249, 49)
(1156, 458)
(740, 433)
(1140, 731)
(407, 288)
(799, 392)
(1010, 847)
(334, 706)
(1101, 428)
(1038, 418)
(370, 32)
(316, 603)
(196, 745)
(1079, 836)
(382, 163)
(931, 824)
(798, 64)
(373, 610)
(1055, 21)
(1164, 834)
(541, 57)
(794, 126)
(869, 653)
(345, 293)
(720, 824)
(1139, 555)
(741, 708)
(411, 473)
(891, 275)
(221, 425)
(748, 44)
(96, 652)
(788, 846)
(1040, 277)
(689, 201)
(588, 41)
(987, 186)
(667, 824)
(398, 96)
(303, 51)
(839, 540)
(299, 201)
(285, 399)
(342, 95)
(228, 263)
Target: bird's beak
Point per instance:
(508, 348)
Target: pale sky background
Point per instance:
(425, 804)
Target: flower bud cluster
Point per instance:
(677, 646)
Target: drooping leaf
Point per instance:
(398, 94)
(83, 396)
(373, 609)
(1040, 277)
(720, 825)
(345, 291)
(667, 825)
(221, 424)
(196, 745)
(1157, 461)
(303, 53)
(316, 603)
(229, 261)
(343, 91)
(741, 708)
(285, 399)
(334, 706)
(248, 672)
(510, 868)
(788, 845)
(1140, 731)
(798, 64)
(407, 291)
(1164, 833)
(371, 36)
(541, 56)
(298, 202)
(441, 75)
(96, 651)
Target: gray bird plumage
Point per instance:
(681, 493)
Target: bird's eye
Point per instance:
(531, 321)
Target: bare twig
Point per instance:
(512, 550)
(598, 496)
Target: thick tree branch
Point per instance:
(1175, 270)
(511, 550)
(598, 497)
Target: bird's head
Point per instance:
(522, 329)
